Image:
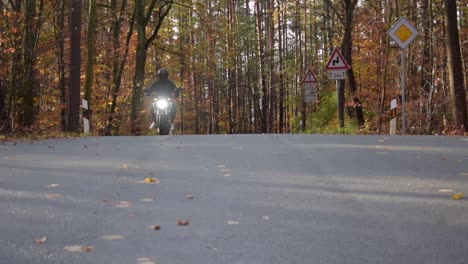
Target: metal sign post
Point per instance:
(310, 89)
(337, 67)
(403, 33)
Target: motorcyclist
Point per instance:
(163, 86)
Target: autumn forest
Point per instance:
(240, 65)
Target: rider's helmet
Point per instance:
(163, 74)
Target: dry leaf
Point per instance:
(52, 195)
(445, 190)
(149, 180)
(122, 204)
(40, 240)
(156, 227)
(458, 196)
(124, 166)
(78, 248)
(182, 223)
(144, 261)
(112, 237)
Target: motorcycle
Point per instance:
(162, 108)
(161, 114)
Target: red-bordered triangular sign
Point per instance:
(309, 77)
(337, 62)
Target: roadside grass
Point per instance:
(325, 119)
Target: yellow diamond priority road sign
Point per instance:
(403, 32)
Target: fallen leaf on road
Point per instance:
(182, 223)
(445, 190)
(122, 204)
(458, 196)
(52, 195)
(40, 240)
(232, 222)
(382, 153)
(145, 261)
(112, 237)
(124, 166)
(211, 248)
(156, 227)
(150, 180)
(78, 248)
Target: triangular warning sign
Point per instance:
(309, 77)
(337, 62)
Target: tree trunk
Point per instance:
(143, 42)
(118, 62)
(90, 59)
(457, 86)
(3, 113)
(29, 54)
(74, 67)
(60, 38)
(261, 59)
(280, 69)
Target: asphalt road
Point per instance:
(247, 199)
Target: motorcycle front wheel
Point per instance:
(164, 125)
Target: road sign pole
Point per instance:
(403, 33)
(403, 125)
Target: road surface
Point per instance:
(249, 199)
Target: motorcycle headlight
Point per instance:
(162, 104)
